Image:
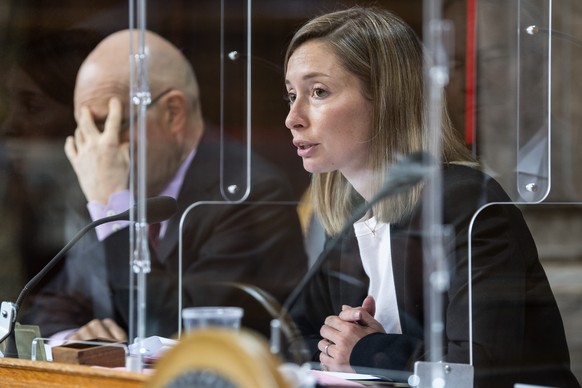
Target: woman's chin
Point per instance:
(313, 169)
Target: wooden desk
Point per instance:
(27, 373)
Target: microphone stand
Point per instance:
(9, 310)
(158, 209)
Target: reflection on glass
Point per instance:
(40, 196)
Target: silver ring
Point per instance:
(325, 350)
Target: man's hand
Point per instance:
(100, 160)
(105, 329)
(341, 333)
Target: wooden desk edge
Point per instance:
(27, 373)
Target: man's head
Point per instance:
(174, 119)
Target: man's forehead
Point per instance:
(97, 99)
(97, 87)
(101, 75)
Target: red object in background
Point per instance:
(470, 59)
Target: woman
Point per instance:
(354, 80)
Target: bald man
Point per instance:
(257, 243)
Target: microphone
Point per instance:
(158, 209)
(405, 173)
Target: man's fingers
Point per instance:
(113, 120)
(70, 148)
(114, 330)
(90, 331)
(105, 329)
(124, 149)
(86, 126)
(88, 130)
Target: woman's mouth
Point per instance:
(305, 149)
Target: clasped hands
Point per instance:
(341, 333)
(100, 159)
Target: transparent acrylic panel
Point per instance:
(240, 240)
(495, 274)
(516, 126)
(508, 87)
(140, 100)
(235, 92)
(525, 132)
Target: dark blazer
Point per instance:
(257, 242)
(518, 334)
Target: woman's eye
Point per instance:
(291, 97)
(319, 92)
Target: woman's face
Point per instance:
(329, 117)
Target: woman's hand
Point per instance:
(341, 333)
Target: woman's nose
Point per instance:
(294, 118)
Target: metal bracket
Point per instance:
(7, 318)
(441, 375)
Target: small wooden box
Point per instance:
(90, 354)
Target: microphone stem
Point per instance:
(161, 208)
(38, 277)
(405, 174)
(358, 213)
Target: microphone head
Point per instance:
(159, 209)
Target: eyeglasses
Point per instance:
(125, 122)
(124, 126)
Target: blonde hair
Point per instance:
(387, 57)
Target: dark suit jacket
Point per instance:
(518, 334)
(257, 242)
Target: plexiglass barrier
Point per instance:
(245, 234)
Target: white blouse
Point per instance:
(374, 244)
